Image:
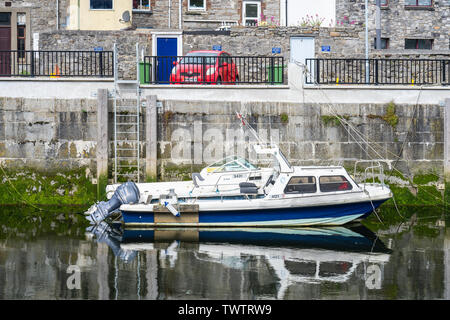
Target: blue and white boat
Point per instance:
(235, 193)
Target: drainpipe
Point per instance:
(170, 11)
(57, 14)
(78, 15)
(180, 13)
(367, 39)
(286, 12)
(378, 24)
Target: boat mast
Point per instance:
(263, 147)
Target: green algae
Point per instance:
(31, 187)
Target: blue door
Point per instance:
(166, 50)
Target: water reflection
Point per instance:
(406, 260)
(294, 255)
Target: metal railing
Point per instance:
(378, 71)
(214, 70)
(20, 63)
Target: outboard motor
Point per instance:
(124, 194)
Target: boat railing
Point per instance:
(374, 170)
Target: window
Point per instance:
(384, 3)
(101, 4)
(196, 5)
(301, 185)
(384, 43)
(141, 5)
(334, 183)
(419, 3)
(251, 13)
(5, 18)
(419, 44)
(224, 57)
(21, 41)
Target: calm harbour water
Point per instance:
(52, 255)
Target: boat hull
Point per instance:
(338, 214)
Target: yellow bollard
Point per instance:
(337, 80)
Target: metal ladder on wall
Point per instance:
(126, 126)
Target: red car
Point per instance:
(205, 66)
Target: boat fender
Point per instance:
(248, 188)
(126, 193)
(171, 209)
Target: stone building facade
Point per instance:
(402, 20)
(198, 28)
(211, 14)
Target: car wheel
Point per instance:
(219, 81)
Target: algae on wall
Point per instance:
(31, 187)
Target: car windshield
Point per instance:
(208, 58)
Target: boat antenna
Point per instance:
(245, 124)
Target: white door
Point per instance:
(302, 48)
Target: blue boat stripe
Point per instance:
(338, 212)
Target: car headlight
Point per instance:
(210, 71)
(174, 70)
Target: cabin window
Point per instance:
(301, 185)
(334, 183)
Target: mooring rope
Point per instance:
(358, 134)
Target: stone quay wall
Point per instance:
(54, 136)
(42, 132)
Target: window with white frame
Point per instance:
(196, 5)
(141, 5)
(251, 13)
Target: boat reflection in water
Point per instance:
(297, 255)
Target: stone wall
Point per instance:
(48, 134)
(88, 40)
(53, 135)
(192, 134)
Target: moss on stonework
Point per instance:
(26, 186)
(389, 116)
(179, 172)
(421, 179)
(333, 120)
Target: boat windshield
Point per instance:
(232, 163)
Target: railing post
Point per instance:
(101, 64)
(443, 71)
(32, 63)
(376, 71)
(282, 70)
(272, 70)
(317, 71)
